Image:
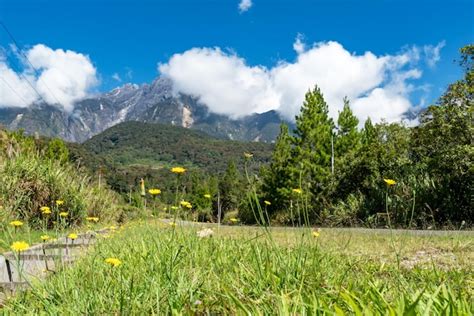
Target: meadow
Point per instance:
(159, 267)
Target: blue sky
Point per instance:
(130, 38)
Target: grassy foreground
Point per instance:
(166, 269)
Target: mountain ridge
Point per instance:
(150, 103)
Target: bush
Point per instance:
(30, 179)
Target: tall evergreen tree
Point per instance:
(230, 188)
(278, 178)
(369, 134)
(312, 143)
(348, 136)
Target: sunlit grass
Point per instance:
(240, 270)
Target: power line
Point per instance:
(26, 58)
(29, 83)
(14, 91)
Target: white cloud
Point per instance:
(245, 5)
(14, 90)
(432, 53)
(64, 77)
(222, 81)
(116, 77)
(298, 45)
(378, 86)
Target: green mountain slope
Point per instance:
(158, 146)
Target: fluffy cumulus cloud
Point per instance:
(378, 86)
(63, 78)
(245, 5)
(218, 78)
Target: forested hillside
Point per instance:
(159, 145)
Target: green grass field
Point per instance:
(247, 270)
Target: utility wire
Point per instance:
(26, 79)
(14, 91)
(34, 68)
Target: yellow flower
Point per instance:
(186, 204)
(16, 223)
(234, 220)
(45, 237)
(389, 182)
(178, 170)
(63, 214)
(316, 233)
(154, 191)
(267, 202)
(297, 191)
(59, 202)
(19, 246)
(248, 155)
(45, 209)
(92, 219)
(72, 236)
(174, 207)
(172, 224)
(113, 262)
(207, 196)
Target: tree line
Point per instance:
(340, 168)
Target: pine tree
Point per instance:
(312, 143)
(348, 136)
(369, 134)
(278, 178)
(230, 188)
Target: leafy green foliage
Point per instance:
(162, 146)
(35, 173)
(432, 163)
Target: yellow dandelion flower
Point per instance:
(45, 237)
(172, 224)
(154, 191)
(389, 182)
(59, 202)
(92, 219)
(248, 155)
(63, 214)
(72, 236)
(234, 220)
(45, 209)
(316, 233)
(186, 204)
(113, 262)
(297, 191)
(267, 202)
(16, 223)
(19, 246)
(178, 170)
(174, 208)
(207, 196)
